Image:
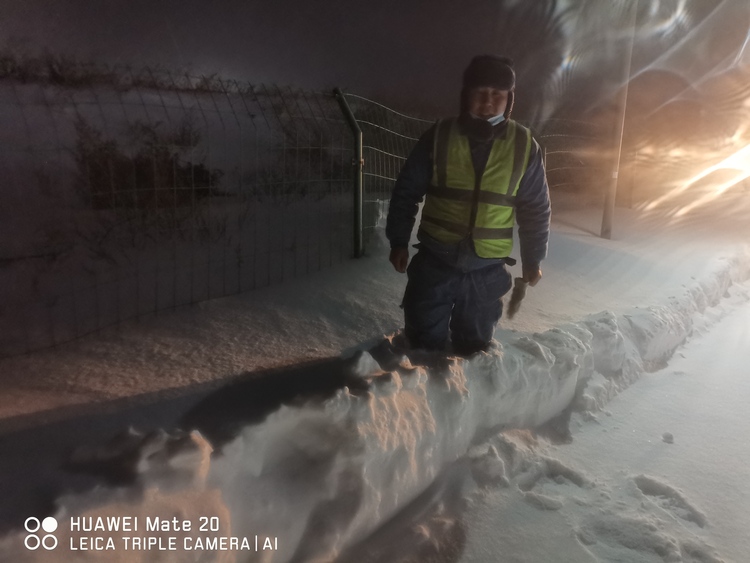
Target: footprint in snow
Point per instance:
(605, 535)
(670, 499)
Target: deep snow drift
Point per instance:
(378, 470)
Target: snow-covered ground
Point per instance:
(388, 457)
(661, 474)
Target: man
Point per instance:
(478, 172)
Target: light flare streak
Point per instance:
(739, 162)
(672, 23)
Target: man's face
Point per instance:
(486, 101)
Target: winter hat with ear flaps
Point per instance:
(489, 70)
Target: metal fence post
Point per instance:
(358, 163)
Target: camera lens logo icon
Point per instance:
(33, 541)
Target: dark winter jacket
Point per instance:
(532, 203)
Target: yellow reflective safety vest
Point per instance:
(459, 205)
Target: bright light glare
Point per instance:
(739, 162)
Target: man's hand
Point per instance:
(532, 274)
(399, 258)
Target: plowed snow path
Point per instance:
(653, 501)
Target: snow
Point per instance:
(399, 456)
(653, 499)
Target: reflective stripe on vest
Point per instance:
(458, 204)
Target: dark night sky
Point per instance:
(407, 49)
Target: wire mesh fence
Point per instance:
(388, 137)
(127, 193)
(574, 155)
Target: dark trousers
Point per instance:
(440, 298)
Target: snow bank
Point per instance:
(321, 476)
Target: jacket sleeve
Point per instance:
(533, 210)
(408, 192)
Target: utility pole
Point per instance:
(611, 194)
